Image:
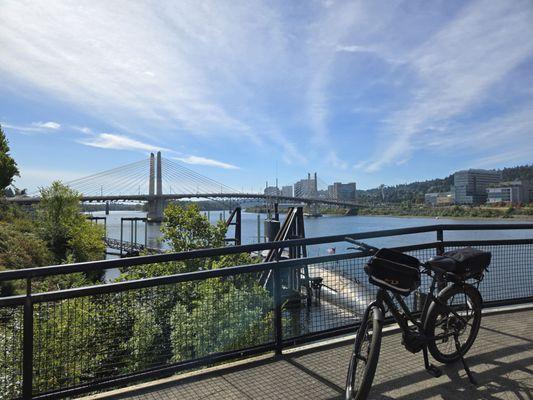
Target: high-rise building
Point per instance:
(306, 187)
(470, 186)
(286, 191)
(342, 191)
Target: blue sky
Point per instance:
(371, 91)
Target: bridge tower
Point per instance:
(156, 203)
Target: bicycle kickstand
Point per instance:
(465, 366)
(430, 368)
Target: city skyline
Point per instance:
(248, 92)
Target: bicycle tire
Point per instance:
(466, 299)
(358, 385)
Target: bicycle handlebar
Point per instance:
(362, 245)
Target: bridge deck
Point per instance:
(502, 360)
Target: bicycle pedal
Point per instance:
(434, 371)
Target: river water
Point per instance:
(323, 226)
(337, 225)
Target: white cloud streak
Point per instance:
(35, 127)
(118, 142)
(196, 160)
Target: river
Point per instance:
(328, 225)
(335, 225)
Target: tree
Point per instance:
(67, 231)
(8, 166)
(185, 228)
(195, 318)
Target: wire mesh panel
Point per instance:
(11, 331)
(337, 301)
(510, 273)
(88, 339)
(343, 297)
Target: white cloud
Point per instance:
(118, 142)
(205, 161)
(47, 125)
(34, 127)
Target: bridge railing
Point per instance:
(68, 342)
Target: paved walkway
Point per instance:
(502, 360)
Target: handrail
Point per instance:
(229, 271)
(213, 252)
(279, 340)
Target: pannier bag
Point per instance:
(394, 271)
(469, 262)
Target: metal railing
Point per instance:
(68, 342)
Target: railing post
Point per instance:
(278, 330)
(440, 239)
(121, 235)
(238, 234)
(27, 359)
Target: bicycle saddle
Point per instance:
(442, 262)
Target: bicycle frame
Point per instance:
(384, 297)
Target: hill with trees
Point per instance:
(414, 192)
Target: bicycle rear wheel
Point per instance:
(364, 358)
(465, 301)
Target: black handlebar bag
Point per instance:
(394, 271)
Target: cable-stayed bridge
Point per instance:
(157, 180)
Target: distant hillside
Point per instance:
(414, 192)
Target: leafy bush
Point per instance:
(67, 231)
(224, 318)
(18, 250)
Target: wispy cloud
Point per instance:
(196, 160)
(118, 142)
(329, 84)
(47, 125)
(455, 69)
(35, 127)
(150, 64)
(82, 129)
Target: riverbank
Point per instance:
(456, 211)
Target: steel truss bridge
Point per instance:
(158, 180)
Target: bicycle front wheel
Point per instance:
(364, 358)
(442, 324)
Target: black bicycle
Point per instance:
(447, 324)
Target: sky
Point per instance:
(377, 92)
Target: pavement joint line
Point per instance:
(270, 355)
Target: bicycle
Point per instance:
(447, 325)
